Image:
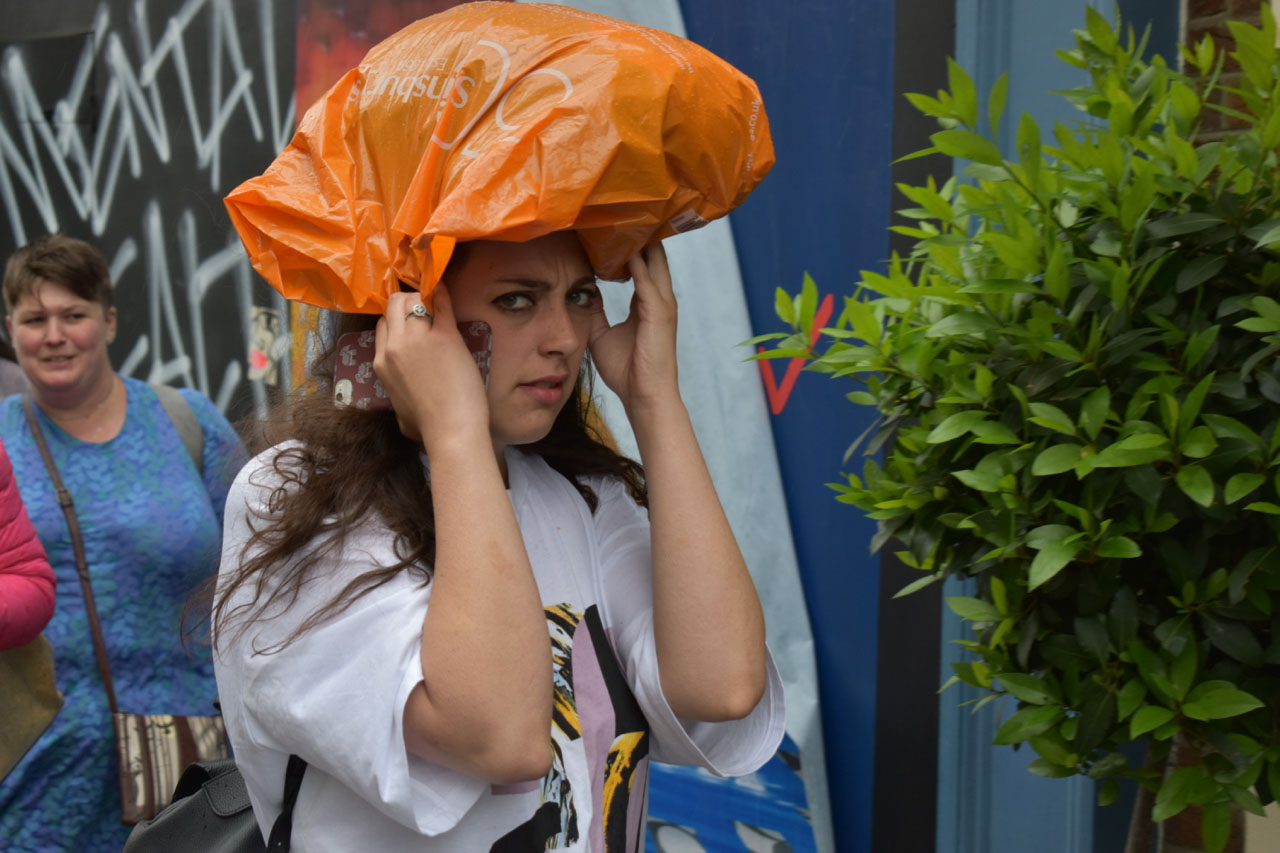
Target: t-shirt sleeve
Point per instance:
(336, 695)
(731, 748)
(224, 453)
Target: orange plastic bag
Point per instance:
(503, 121)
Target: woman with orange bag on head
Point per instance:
(460, 612)
(27, 584)
(469, 615)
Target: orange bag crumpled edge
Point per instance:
(502, 121)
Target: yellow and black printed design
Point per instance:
(593, 704)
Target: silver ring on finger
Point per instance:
(419, 310)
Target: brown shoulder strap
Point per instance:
(77, 543)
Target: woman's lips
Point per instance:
(549, 390)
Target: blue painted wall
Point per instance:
(825, 70)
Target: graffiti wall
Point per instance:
(124, 123)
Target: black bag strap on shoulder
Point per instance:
(282, 829)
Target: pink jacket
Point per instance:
(27, 583)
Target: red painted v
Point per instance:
(778, 395)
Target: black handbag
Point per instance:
(211, 813)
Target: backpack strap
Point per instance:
(184, 421)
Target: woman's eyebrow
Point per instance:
(541, 284)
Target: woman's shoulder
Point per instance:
(12, 379)
(273, 466)
(204, 409)
(540, 476)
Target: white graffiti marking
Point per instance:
(58, 172)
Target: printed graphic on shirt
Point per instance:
(594, 704)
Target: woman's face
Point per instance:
(539, 298)
(61, 339)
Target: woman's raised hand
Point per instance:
(637, 357)
(428, 372)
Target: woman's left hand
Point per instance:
(637, 357)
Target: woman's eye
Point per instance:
(513, 301)
(584, 297)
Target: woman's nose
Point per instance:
(562, 333)
(54, 331)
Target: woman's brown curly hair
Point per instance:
(349, 465)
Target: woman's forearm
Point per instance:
(707, 616)
(484, 706)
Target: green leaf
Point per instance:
(1240, 485)
(1264, 506)
(1183, 671)
(1194, 401)
(1135, 450)
(1176, 792)
(1057, 282)
(964, 323)
(994, 432)
(1094, 410)
(1196, 483)
(1151, 670)
(1056, 459)
(1185, 223)
(1215, 827)
(1029, 152)
(1054, 747)
(1046, 534)
(1051, 417)
(1093, 636)
(1119, 546)
(973, 609)
(1000, 285)
(1050, 770)
(999, 595)
(917, 585)
(1232, 637)
(785, 308)
(1129, 698)
(807, 302)
(963, 93)
(1199, 271)
(956, 425)
(982, 481)
(1147, 719)
(967, 145)
(1246, 800)
(1266, 234)
(1051, 560)
(1027, 688)
(1218, 700)
(1198, 345)
(1261, 325)
(1028, 723)
(1198, 443)
(996, 101)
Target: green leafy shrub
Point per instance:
(1077, 376)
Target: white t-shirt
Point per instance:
(336, 696)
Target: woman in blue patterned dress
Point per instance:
(151, 523)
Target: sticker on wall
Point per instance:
(266, 346)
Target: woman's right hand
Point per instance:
(430, 375)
